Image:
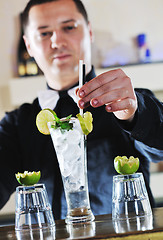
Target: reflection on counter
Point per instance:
(36, 234)
(83, 230)
(142, 224)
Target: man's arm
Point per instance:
(9, 157)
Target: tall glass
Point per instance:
(70, 148)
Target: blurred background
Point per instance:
(127, 34)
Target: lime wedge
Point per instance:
(43, 117)
(124, 165)
(86, 122)
(28, 178)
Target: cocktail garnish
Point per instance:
(86, 122)
(48, 115)
(43, 117)
(28, 178)
(63, 124)
(124, 165)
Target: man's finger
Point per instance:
(99, 81)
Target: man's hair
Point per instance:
(25, 14)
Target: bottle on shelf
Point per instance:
(143, 49)
(26, 64)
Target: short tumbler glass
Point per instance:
(130, 197)
(33, 210)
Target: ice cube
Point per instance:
(69, 158)
(60, 148)
(66, 171)
(78, 172)
(73, 136)
(59, 140)
(71, 184)
(65, 168)
(72, 153)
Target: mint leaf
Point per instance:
(56, 118)
(66, 125)
(63, 125)
(69, 117)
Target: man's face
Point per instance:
(57, 37)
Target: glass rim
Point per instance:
(64, 119)
(30, 187)
(127, 176)
(49, 123)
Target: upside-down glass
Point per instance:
(130, 197)
(33, 210)
(70, 148)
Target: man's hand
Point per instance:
(113, 89)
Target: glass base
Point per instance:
(79, 215)
(29, 221)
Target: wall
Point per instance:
(9, 32)
(142, 75)
(115, 23)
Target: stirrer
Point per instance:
(81, 78)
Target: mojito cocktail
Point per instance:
(70, 146)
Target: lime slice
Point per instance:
(86, 122)
(28, 178)
(124, 165)
(43, 117)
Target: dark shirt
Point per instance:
(23, 147)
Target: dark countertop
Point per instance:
(103, 227)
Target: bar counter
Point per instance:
(148, 228)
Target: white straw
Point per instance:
(81, 78)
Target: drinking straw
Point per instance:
(81, 82)
(81, 78)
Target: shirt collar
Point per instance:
(48, 98)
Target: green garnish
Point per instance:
(48, 115)
(124, 165)
(28, 178)
(63, 124)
